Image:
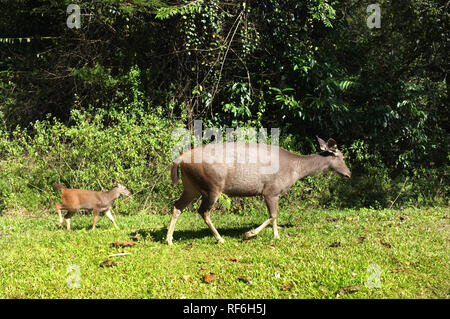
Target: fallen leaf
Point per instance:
(189, 246)
(286, 287)
(108, 263)
(336, 244)
(207, 278)
(446, 216)
(273, 246)
(396, 270)
(186, 277)
(204, 268)
(407, 263)
(361, 239)
(123, 244)
(245, 279)
(233, 259)
(346, 290)
(331, 219)
(387, 245)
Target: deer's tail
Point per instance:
(57, 187)
(174, 170)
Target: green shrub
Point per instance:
(134, 148)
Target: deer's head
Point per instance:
(122, 189)
(337, 160)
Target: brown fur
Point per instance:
(75, 199)
(210, 177)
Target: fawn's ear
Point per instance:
(114, 182)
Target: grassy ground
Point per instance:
(387, 254)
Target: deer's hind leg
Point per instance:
(208, 201)
(58, 211)
(67, 217)
(187, 197)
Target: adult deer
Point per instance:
(242, 174)
(75, 199)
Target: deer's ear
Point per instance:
(332, 144)
(114, 182)
(323, 144)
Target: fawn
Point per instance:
(75, 199)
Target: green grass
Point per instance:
(409, 247)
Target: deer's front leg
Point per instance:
(96, 213)
(58, 211)
(111, 218)
(273, 211)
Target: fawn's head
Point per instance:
(122, 189)
(337, 160)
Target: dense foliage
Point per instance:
(81, 106)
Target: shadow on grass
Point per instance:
(75, 227)
(159, 235)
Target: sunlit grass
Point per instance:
(410, 248)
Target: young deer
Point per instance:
(75, 199)
(242, 174)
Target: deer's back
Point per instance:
(242, 173)
(82, 199)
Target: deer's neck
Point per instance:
(112, 194)
(309, 165)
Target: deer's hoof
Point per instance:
(248, 235)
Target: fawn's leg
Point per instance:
(58, 211)
(67, 219)
(96, 213)
(111, 218)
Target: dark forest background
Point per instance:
(83, 106)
